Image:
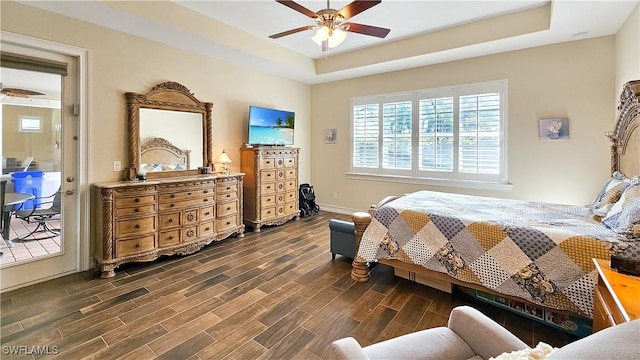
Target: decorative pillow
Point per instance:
(626, 211)
(180, 167)
(609, 194)
(539, 352)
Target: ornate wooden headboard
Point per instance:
(625, 147)
(161, 151)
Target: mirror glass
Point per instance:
(182, 129)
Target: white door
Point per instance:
(59, 151)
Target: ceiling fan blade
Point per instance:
(299, 8)
(357, 7)
(289, 32)
(19, 92)
(367, 30)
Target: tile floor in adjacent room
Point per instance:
(28, 248)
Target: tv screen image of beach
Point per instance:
(270, 126)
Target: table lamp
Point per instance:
(224, 160)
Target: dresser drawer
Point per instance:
(228, 196)
(280, 162)
(290, 162)
(189, 233)
(185, 195)
(292, 196)
(268, 201)
(281, 174)
(190, 217)
(267, 163)
(267, 175)
(281, 198)
(136, 210)
(178, 205)
(268, 187)
(135, 226)
(291, 185)
(206, 228)
(290, 173)
(290, 208)
(169, 220)
(168, 238)
(122, 201)
(227, 208)
(226, 223)
(126, 247)
(207, 213)
(227, 187)
(268, 212)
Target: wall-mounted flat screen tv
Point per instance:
(270, 126)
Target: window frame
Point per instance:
(415, 175)
(23, 129)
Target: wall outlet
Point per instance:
(117, 166)
(335, 195)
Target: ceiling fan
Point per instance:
(15, 92)
(331, 24)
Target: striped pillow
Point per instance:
(625, 212)
(609, 194)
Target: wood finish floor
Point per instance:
(270, 295)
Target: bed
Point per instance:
(538, 253)
(158, 154)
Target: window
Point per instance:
(455, 133)
(30, 123)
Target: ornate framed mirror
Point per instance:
(171, 116)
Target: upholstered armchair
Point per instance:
(472, 335)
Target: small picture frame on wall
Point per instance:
(330, 136)
(554, 129)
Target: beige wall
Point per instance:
(573, 80)
(628, 50)
(120, 62)
(39, 145)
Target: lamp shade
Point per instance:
(224, 158)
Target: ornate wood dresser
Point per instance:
(616, 297)
(270, 186)
(141, 220)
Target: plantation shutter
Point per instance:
(366, 134)
(479, 149)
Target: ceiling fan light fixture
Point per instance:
(334, 36)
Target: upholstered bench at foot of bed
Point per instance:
(342, 238)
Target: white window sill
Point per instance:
(466, 184)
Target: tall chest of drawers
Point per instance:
(141, 220)
(270, 185)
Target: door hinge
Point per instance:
(76, 109)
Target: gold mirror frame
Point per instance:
(166, 96)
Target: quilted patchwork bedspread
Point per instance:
(534, 251)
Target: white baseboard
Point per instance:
(337, 209)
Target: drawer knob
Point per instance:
(137, 226)
(207, 213)
(206, 229)
(228, 195)
(190, 233)
(170, 220)
(189, 194)
(205, 200)
(228, 187)
(172, 205)
(190, 217)
(170, 237)
(206, 191)
(136, 200)
(229, 209)
(137, 245)
(136, 210)
(172, 196)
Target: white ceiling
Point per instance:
(254, 21)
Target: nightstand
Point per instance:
(616, 297)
